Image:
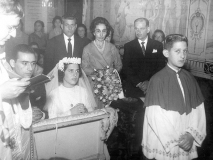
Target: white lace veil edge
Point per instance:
(83, 82)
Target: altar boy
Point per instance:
(174, 121)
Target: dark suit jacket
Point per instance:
(139, 68)
(85, 41)
(56, 50)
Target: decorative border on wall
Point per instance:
(197, 24)
(197, 27)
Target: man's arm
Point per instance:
(13, 88)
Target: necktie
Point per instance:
(69, 48)
(143, 48)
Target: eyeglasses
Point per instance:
(12, 28)
(174, 37)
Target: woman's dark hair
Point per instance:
(39, 21)
(85, 28)
(61, 74)
(112, 34)
(56, 18)
(160, 31)
(97, 21)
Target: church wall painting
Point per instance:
(193, 18)
(197, 32)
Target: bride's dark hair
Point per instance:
(61, 74)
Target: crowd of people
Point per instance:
(174, 120)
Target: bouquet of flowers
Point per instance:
(107, 85)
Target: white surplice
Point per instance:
(162, 129)
(14, 119)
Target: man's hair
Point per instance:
(21, 48)
(173, 38)
(142, 20)
(69, 17)
(11, 7)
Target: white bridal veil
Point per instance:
(83, 82)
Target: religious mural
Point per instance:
(168, 15)
(199, 32)
(193, 18)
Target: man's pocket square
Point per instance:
(154, 51)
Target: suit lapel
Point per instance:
(149, 47)
(62, 45)
(76, 49)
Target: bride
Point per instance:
(69, 92)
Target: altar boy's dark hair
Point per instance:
(172, 38)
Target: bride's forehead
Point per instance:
(73, 66)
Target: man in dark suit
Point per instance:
(142, 59)
(64, 45)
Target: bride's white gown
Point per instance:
(62, 99)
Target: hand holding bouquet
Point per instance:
(107, 85)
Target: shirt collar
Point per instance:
(66, 38)
(173, 68)
(145, 41)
